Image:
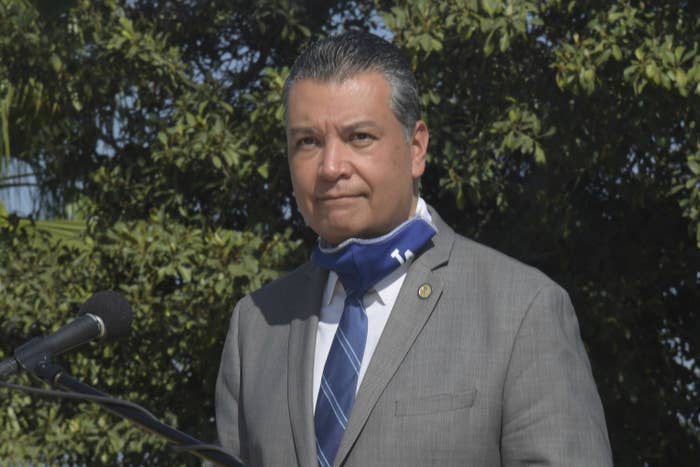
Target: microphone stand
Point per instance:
(55, 375)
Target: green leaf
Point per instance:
(616, 52)
(540, 157)
(694, 166)
(55, 62)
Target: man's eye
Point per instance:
(306, 141)
(361, 137)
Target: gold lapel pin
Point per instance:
(424, 291)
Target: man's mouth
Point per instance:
(336, 197)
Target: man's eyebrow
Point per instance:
(361, 124)
(302, 131)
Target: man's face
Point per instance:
(353, 170)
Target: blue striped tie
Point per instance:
(340, 375)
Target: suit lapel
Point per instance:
(305, 309)
(409, 315)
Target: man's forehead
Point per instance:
(359, 91)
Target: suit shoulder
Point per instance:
(288, 297)
(499, 289)
(496, 267)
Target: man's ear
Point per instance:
(419, 148)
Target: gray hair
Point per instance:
(346, 55)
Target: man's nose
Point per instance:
(335, 163)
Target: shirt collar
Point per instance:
(383, 290)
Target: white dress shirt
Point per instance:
(378, 301)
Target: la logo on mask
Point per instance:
(407, 255)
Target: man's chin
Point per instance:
(336, 238)
(337, 233)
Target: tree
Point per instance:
(561, 132)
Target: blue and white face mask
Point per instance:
(361, 263)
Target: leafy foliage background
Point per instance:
(563, 133)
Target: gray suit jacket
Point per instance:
(488, 370)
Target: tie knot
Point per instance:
(353, 295)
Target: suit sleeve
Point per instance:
(230, 424)
(552, 414)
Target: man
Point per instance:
(419, 347)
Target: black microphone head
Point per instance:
(114, 311)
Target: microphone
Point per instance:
(106, 314)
